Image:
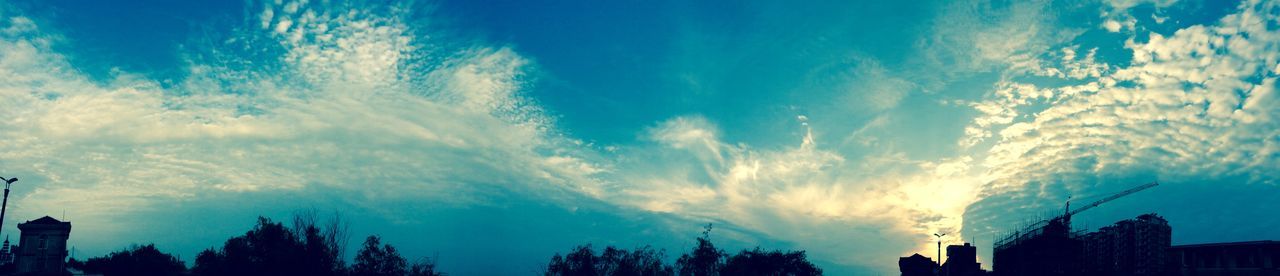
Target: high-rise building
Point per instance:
(1128, 247)
(42, 247)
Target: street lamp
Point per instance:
(939, 235)
(4, 205)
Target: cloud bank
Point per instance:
(1194, 106)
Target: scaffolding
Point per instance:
(1048, 246)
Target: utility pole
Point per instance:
(939, 235)
(4, 205)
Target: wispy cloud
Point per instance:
(800, 193)
(351, 107)
(371, 108)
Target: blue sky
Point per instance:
(493, 134)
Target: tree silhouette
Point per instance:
(137, 260)
(643, 261)
(309, 248)
(580, 261)
(424, 267)
(306, 248)
(705, 260)
(760, 262)
(376, 259)
(270, 248)
(323, 245)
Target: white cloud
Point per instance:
(1126, 4)
(858, 84)
(1111, 25)
(350, 110)
(1191, 105)
(347, 106)
(360, 104)
(978, 37)
(796, 193)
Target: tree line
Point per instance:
(309, 247)
(704, 260)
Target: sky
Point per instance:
(491, 135)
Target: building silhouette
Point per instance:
(962, 260)
(917, 265)
(1049, 250)
(42, 247)
(1232, 258)
(6, 256)
(1135, 246)
(1049, 247)
(1128, 247)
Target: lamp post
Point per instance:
(4, 205)
(939, 235)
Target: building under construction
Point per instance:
(1051, 247)
(1129, 247)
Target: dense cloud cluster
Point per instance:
(1197, 105)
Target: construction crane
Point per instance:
(1065, 218)
(1068, 214)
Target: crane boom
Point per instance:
(1113, 197)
